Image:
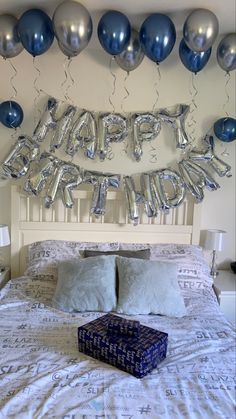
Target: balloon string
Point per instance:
(36, 108)
(126, 91)
(153, 155)
(72, 81)
(227, 77)
(65, 67)
(193, 107)
(11, 80)
(110, 154)
(155, 86)
(114, 85)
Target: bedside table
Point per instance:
(226, 283)
(4, 277)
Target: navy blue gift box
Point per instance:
(135, 355)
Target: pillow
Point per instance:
(138, 254)
(86, 285)
(44, 256)
(149, 287)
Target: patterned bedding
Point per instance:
(43, 375)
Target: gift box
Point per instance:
(135, 355)
(120, 326)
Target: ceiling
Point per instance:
(137, 10)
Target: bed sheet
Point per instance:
(43, 375)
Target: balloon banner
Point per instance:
(62, 127)
(47, 121)
(146, 127)
(83, 134)
(176, 119)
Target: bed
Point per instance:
(43, 375)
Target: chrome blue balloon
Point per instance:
(11, 114)
(36, 31)
(225, 129)
(157, 37)
(114, 32)
(193, 61)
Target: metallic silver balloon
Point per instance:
(146, 127)
(200, 30)
(226, 52)
(112, 128)
(132, 200)
(164, 200)
(132, 56)
(101, 182)
(73, 27)
(47, 121)
(146, 190)
(40, 173)
(10, 45)
(62, 128)
(18, 161)
(176, 119)
(83, 135)
(196, 178)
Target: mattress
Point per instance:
(43, 375)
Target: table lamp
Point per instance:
(4, 241)
(214, 242)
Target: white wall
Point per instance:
(93, 83)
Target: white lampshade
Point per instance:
(214, 239)
(4, 235)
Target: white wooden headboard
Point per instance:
(32, 222)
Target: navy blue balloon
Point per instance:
(114, 32)
(36, 31)
(157, 37)
(193, 61)
(11, 114)
(225, 129)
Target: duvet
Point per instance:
(43, 375)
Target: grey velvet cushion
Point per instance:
(147, 287)
(86, 285)
(139, 254)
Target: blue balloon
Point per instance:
(114, 32)
(193, 61)
(36, 31)
(11, 114)
(225, 129)
(157, 37)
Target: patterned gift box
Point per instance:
(135, 355)
(120, 326)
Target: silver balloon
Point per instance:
(83, 135)
(18, 161)
(146, 127)
(10, 45)
(63, 128)
(176, 119)
(166, 200)
(226, 52)
(47, 121)
(132, 56)
(101, 182)
(146, 190)
(208, 156)
(73, 27)
(196, 178)
(40, 174)
(200, 30)
(65, 178)
(132, 199)
(112, 128)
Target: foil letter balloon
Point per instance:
(146, 127)
(165, 200)
(17, 163)
(146, 190)
(83, 135)
(47, 121)
(63, 127)
(176, 119)
(112, 128)
(132, 199)
(195, 178)
(39, 175)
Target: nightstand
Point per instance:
(226, 283)
(4, 277)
